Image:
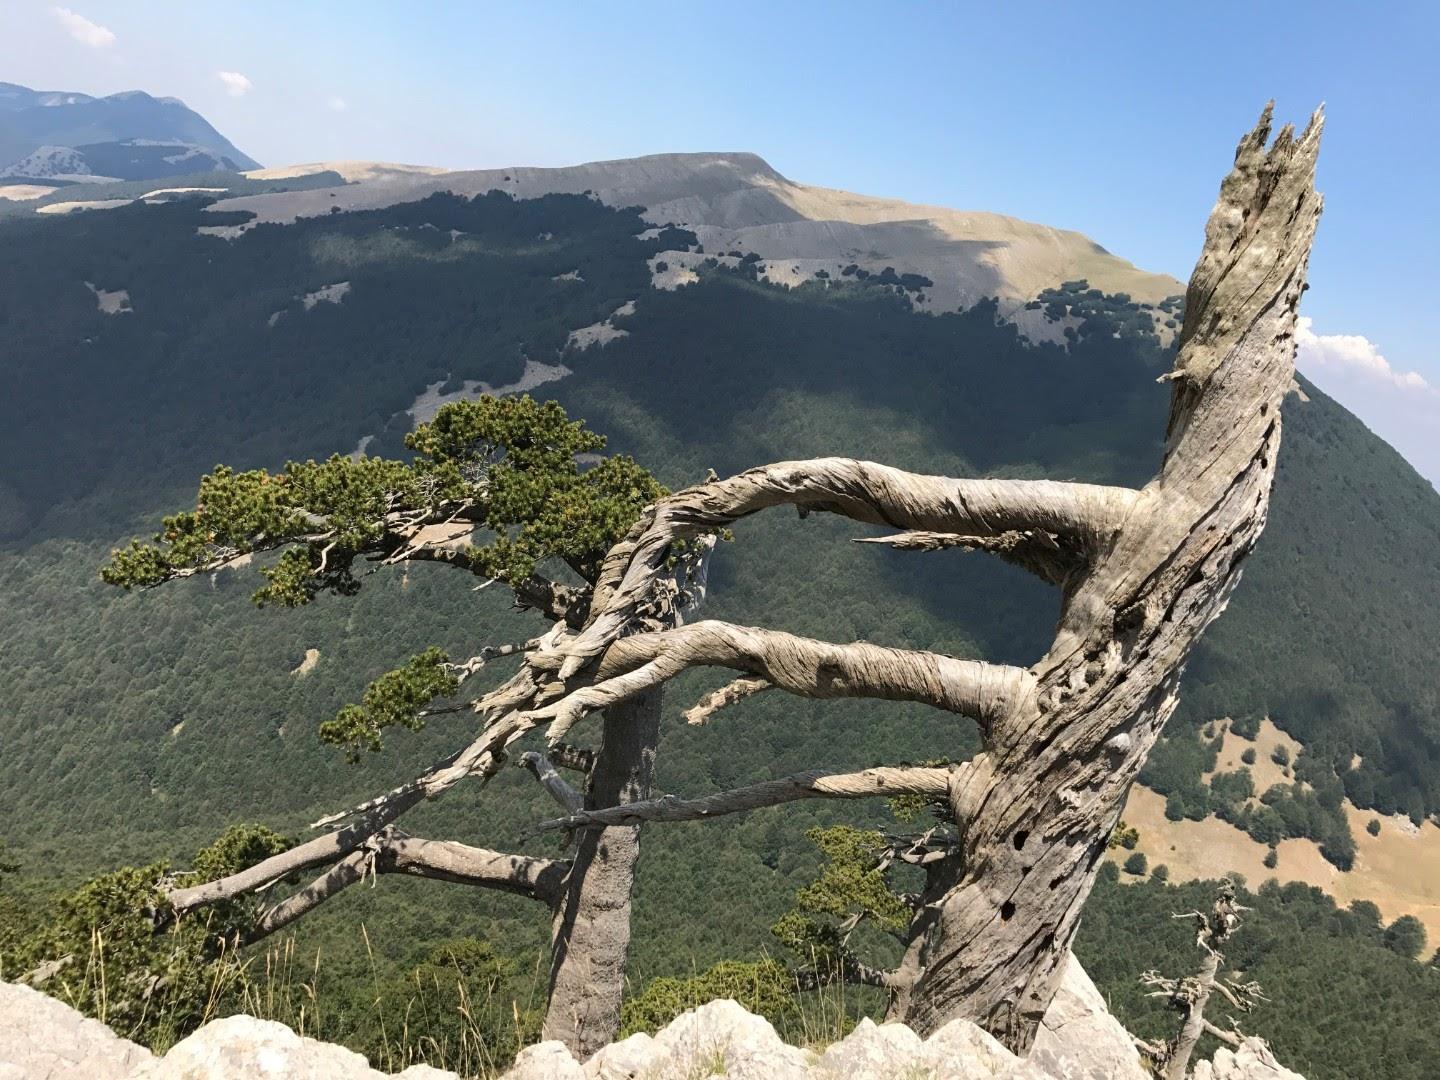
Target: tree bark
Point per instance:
(590, 940)
(1042, 800)
(1177, 1061)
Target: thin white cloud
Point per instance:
(1402, 407)
(236, 85)
(1351, 354)
(83, 30)
(336, 103)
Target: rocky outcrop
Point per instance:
(1080, 1040)
(44, 1039)
(1252, 1060)
(241, 1048)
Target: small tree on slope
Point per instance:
(1141, 574)
(1189, 996)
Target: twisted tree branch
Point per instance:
(801, 666)
(815, 784)
(444, 860)
(540, 767)
(861, 490)
(1052, 557)
(727, 695)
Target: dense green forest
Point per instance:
(1345, 999)
(140, 725)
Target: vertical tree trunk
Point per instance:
(591, 935)
(1037, 807)
(1178, 1059)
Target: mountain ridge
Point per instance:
(736, 201)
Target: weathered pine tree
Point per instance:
(504, 473)
(1140, 572)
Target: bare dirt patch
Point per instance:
(91, 204)
(326, 294)
(116, 302)
(1265, 771)
(535, 374)
(24, 192)
(1398, 870)
(602, 332)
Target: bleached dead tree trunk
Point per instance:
(1040, 802)
(1141, 573)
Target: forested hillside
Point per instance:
(139, 725)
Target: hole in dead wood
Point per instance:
(1264, 463)
(1007, 910)
(1055, 882)
(1264, 408)
(1020, 838)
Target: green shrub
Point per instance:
(764, 987)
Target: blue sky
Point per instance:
(1114, 119)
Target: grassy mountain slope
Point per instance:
(737, 203)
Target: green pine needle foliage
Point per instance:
(764, 987)
(506, 465)
(395, 698)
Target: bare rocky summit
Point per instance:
(44, 1039)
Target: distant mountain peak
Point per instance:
(36, 119)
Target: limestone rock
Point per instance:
(1080, 1039)
(45, 1039)
(545, 1061)
(622, 1060)
(1251, 1061)
(724, 1037)
(243, 1048)
(963, 1051)
(871, 1052)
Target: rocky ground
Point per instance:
(44, 1039)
